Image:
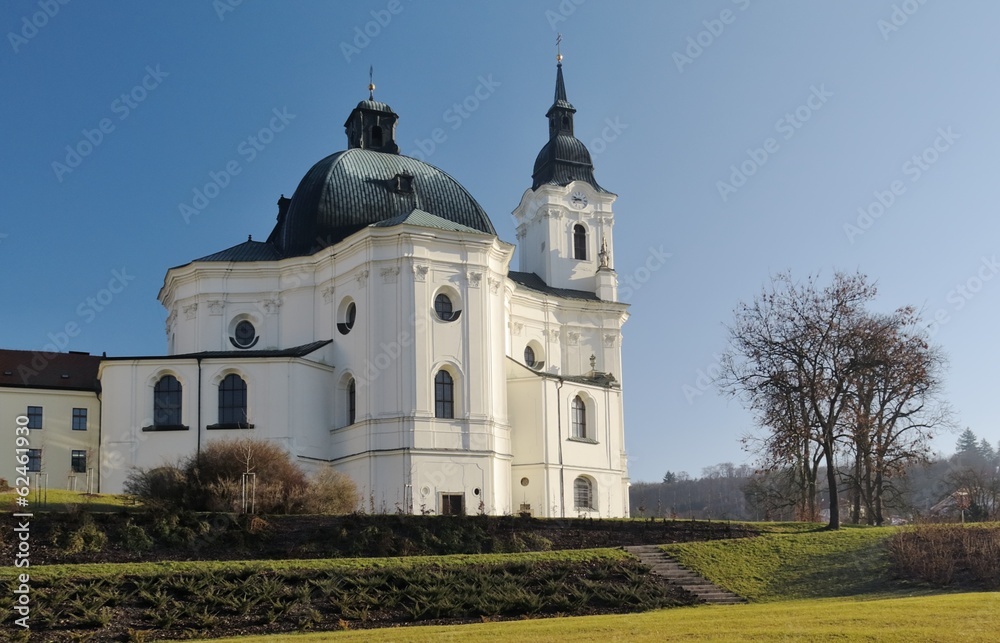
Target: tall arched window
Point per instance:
(167, 402)
(444, 395)
(233, 400)
(583, 494)
(352, 401)
(579, 418)
(579, 242)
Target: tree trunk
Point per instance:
(831, 481)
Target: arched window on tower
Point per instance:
(444, 395)
(352, 401)
(579, 242)
(376, 136)
(579, 418)
(233, 401)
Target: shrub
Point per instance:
(134, 538)
(216, 474)
(331, 492)
(158, 487)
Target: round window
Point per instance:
(244, 335)
(348, 315)
(443, 307)
(529, 356)
(524, 482)
(352, 315)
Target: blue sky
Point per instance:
(742, 137)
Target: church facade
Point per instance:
(380, 330)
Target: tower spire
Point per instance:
(371, 82)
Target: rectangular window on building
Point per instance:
(79, 419)
(34, 460)
(34, 417)
(78, 461)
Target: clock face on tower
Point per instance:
(579, 200)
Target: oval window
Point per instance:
(529, 356)
(244, 335)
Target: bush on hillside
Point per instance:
(213, 480)
(948, 555)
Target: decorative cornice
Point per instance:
(190, 311)
(420, 272)
(474, 278)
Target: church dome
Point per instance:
(350, 190)
(368, 183)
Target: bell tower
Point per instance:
(564, 222)
(372, 125)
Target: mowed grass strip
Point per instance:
(949, 617)
(61, 500)
(785, 566)
(107, 571)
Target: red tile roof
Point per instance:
(35, 369)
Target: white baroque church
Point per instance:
(380, 330)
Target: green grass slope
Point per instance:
(951, 617)
(794, 564)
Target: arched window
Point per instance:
(579, 418)
(376, 136)
(233, 400)
(444, 395)
(579, 242)
(583, 494)
(352, 397)
(167, 402)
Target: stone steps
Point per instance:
(674, 573)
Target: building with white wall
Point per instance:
(379, 329)
(59, 393)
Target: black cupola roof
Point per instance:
(368, 183)
(564, 158)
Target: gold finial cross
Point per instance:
(371, 82)
(559, 55)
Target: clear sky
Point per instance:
(741, 136)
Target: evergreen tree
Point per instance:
(986, 449)
(967, 442)
(669, 477)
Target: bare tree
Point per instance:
(820, 371)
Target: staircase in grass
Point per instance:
(676, 574)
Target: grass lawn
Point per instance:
(61, 500)
(116, 570)
(949, 617)
(786, 565)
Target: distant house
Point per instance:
(60, 395)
